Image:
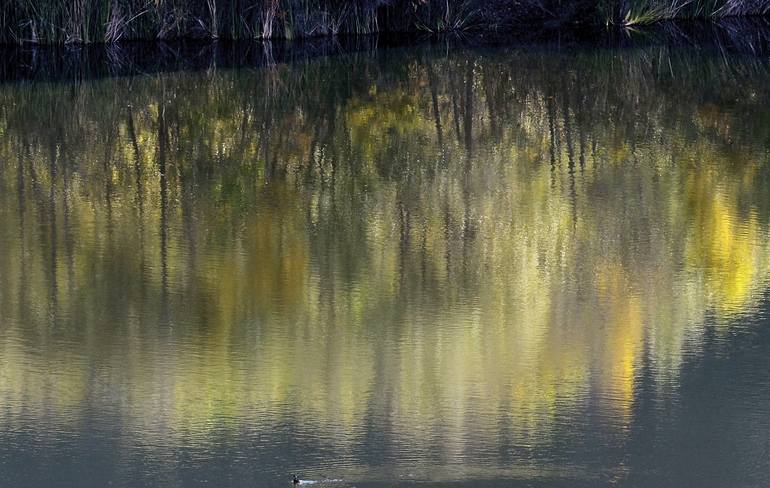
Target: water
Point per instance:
(467, 267)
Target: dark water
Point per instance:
(489, 267)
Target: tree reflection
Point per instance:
(424, 230)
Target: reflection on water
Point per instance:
(513, 264)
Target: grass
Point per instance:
(641, 12)
(96, 21)
(452, 16)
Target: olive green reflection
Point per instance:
(447, 244)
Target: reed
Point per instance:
(96, 21)
(641, 12)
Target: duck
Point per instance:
(294, 479)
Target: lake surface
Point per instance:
(469, 267)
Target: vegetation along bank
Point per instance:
(97, 21)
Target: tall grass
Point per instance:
(640, 12)
(93, 21)
(87, 21)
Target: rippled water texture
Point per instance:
(489, 267)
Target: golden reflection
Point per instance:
(447, 249)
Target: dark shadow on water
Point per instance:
(746, 36)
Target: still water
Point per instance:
(477, 267)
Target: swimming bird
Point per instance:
(295, 480)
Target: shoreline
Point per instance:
(32, 62)
(44, 22)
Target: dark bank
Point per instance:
(108, 21)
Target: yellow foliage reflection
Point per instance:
(470, 248)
